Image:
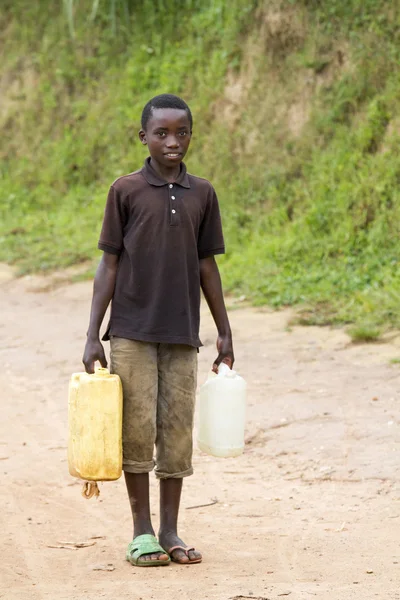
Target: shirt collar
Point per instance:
(154, 178)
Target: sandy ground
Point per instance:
(310, 510)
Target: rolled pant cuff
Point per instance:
(187, 473)
(131, 466)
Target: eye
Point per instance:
(182, 133)
(161, 134)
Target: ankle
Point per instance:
(142, 529)
(168, 532)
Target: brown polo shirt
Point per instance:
(159, 230)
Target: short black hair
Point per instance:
(165, 101)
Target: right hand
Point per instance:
(225, 352)
(93, 351)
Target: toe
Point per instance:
(145, 558)
(179, 556)
(153, 557)
(194, 555)
(159, 556)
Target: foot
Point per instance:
(169, 540)
(153, 556)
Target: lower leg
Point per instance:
(170, 496)
(137, 485)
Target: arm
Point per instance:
(210, 282)
(103, 290)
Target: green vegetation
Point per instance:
(364, 333)
(295, 106)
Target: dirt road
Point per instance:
(310, 510)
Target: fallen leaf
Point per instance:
(108, 567)
(72, 545)
(248, 597)
(62, 547)
(78, 544)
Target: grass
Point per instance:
(364, 333)
(304, 152)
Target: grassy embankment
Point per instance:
(296, 125)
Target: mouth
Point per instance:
(172, 154)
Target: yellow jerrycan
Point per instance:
(95, 426)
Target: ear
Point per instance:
(142, 137)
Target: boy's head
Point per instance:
(166, 128)
(165, 101)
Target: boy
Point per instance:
(160, 233)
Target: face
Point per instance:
(167, 135)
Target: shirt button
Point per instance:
(173, 211)
(170, 186)
(172, 197)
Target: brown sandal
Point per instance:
(186, 550)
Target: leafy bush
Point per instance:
(311, 211)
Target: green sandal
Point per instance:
(145, 544)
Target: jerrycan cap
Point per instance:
(101, 371)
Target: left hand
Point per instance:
(225, 352)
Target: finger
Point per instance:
(228, 361)
(88, 361)
(103, 361)
(217, 362)
(89, 367)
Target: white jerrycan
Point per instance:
(222, 413)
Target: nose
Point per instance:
(172, 142)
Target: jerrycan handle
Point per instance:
(225, 371)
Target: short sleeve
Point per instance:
(211, 240)
(112, 236)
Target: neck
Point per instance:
(170, 174)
